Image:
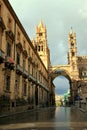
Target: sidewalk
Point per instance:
(83, 109)
(2, 115)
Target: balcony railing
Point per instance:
(31, 78)
(19, 69)
(9, 63)
(42, 85)
(9, 60)
(25, 73)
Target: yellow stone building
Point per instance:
(24, 81)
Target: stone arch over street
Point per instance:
(63, 70)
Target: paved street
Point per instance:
(60, 118)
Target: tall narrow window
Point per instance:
(42, 48)
(73, 54)
(72, 44)
(18, 58)
(29, 50)
(8, 49)
(18, 36)
(40, 34)
(9, 23)
(25, 88)
(38, 48)
(24, 63)
(28, 67)
(8, 83)
(36, 75)
(24, 44)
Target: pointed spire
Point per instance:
(41, 23)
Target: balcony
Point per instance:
(19, 69)
(42, 85)
(2, 56)
(31, 78)
(9, 63)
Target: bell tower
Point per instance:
(72, 54)
(41, 44)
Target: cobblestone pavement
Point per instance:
(60, 118)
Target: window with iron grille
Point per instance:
(25, 88)
(8, 83)
(8, 49)
(18, 58)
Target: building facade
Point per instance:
(24, 78)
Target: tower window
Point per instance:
(40, 34)
(71, 36)
(41, 48)
(38, 48)
(72, 44)
(73, 54)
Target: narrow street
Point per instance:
(59, 118)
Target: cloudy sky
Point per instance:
(58, 16)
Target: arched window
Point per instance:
(72, 44)
(38, 48)
(18, 58)
(41, 48)
(73, 53)
(25, 88)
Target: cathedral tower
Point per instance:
(41, 44)
(72, 54)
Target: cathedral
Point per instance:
(26, 72)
